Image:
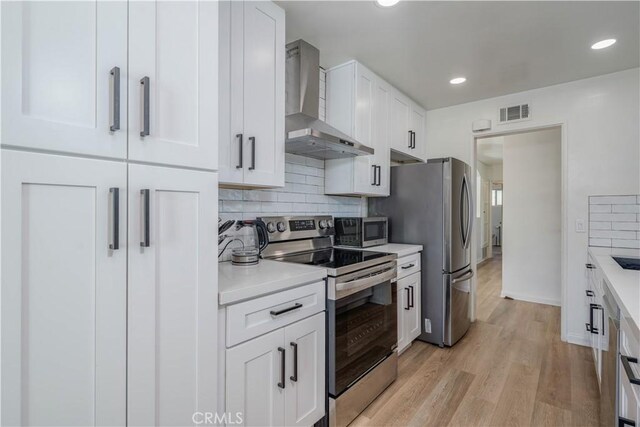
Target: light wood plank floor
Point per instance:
(511, 369)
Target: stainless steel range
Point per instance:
(361, 303)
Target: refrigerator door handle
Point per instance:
(463, 226)
(471, 212)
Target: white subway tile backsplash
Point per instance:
(625, 208)
(614, 221)
(303, 194)
(613, 200)
(600, 208)
(613, 217)
(625, 226)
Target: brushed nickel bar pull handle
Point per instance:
(114, 244)
(144, 242)
(252, 139)
(115, 99)
(144, 93)
(239, 165)
(282, 367)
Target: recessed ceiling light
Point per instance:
(603, 43)
(387, 3)
(457, 80)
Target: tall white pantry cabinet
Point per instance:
(109, 206)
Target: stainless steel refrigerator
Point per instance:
(431, 205)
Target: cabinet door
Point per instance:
(365, 175)
(173, 117)
(400, 113)
(403, 308)
(63, 291)
(305, 379)
(381, 133)
(57, 87)
(173, 290)
(418, 126)
(258, 39)
(412, 316)
(254, 370)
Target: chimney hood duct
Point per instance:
(306, 134)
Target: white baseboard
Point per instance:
(578, 339)
(530, 298)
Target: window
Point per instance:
(496, 197)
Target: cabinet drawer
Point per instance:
(408, 265)
(252, 318)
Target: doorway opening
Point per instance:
(519, 232)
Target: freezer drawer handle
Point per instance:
(626, 360)
(625, 422)
(285, 310)
(464, 278)
(406, 267)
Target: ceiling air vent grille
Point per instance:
(514, 113)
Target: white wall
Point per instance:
(603, 153)
(531, 217)
(485, 173)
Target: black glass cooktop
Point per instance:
(628, 263)
(333, 258)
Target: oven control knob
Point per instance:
(323, 223)
(329, 224)
(282, 226)
(271, 227)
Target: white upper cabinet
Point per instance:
(252, 93)
(358, 105)
(408, 142)
(173, 295)
(61, 65)
(173, 82)
(64, 290)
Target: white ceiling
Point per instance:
(501, 47)
(490, 150)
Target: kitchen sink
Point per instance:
(628, 263)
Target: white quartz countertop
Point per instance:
(623, 284)
(396, 248)
(239, 283)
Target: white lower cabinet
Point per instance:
(64, 290)
(278, 378)
(172, 273)
(107, 320)
(408, 310)
(628, 393)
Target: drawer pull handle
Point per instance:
(590, 293)
(627, 368)
(285, 310)
(282, 367)
(625, 422)
(590, 266)
(406, 267)
(588, 326)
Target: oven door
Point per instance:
(374, 231)
(362, 333)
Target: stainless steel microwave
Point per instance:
(361, 232)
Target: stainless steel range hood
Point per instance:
(306, 134)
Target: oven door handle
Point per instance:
(367, 281)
